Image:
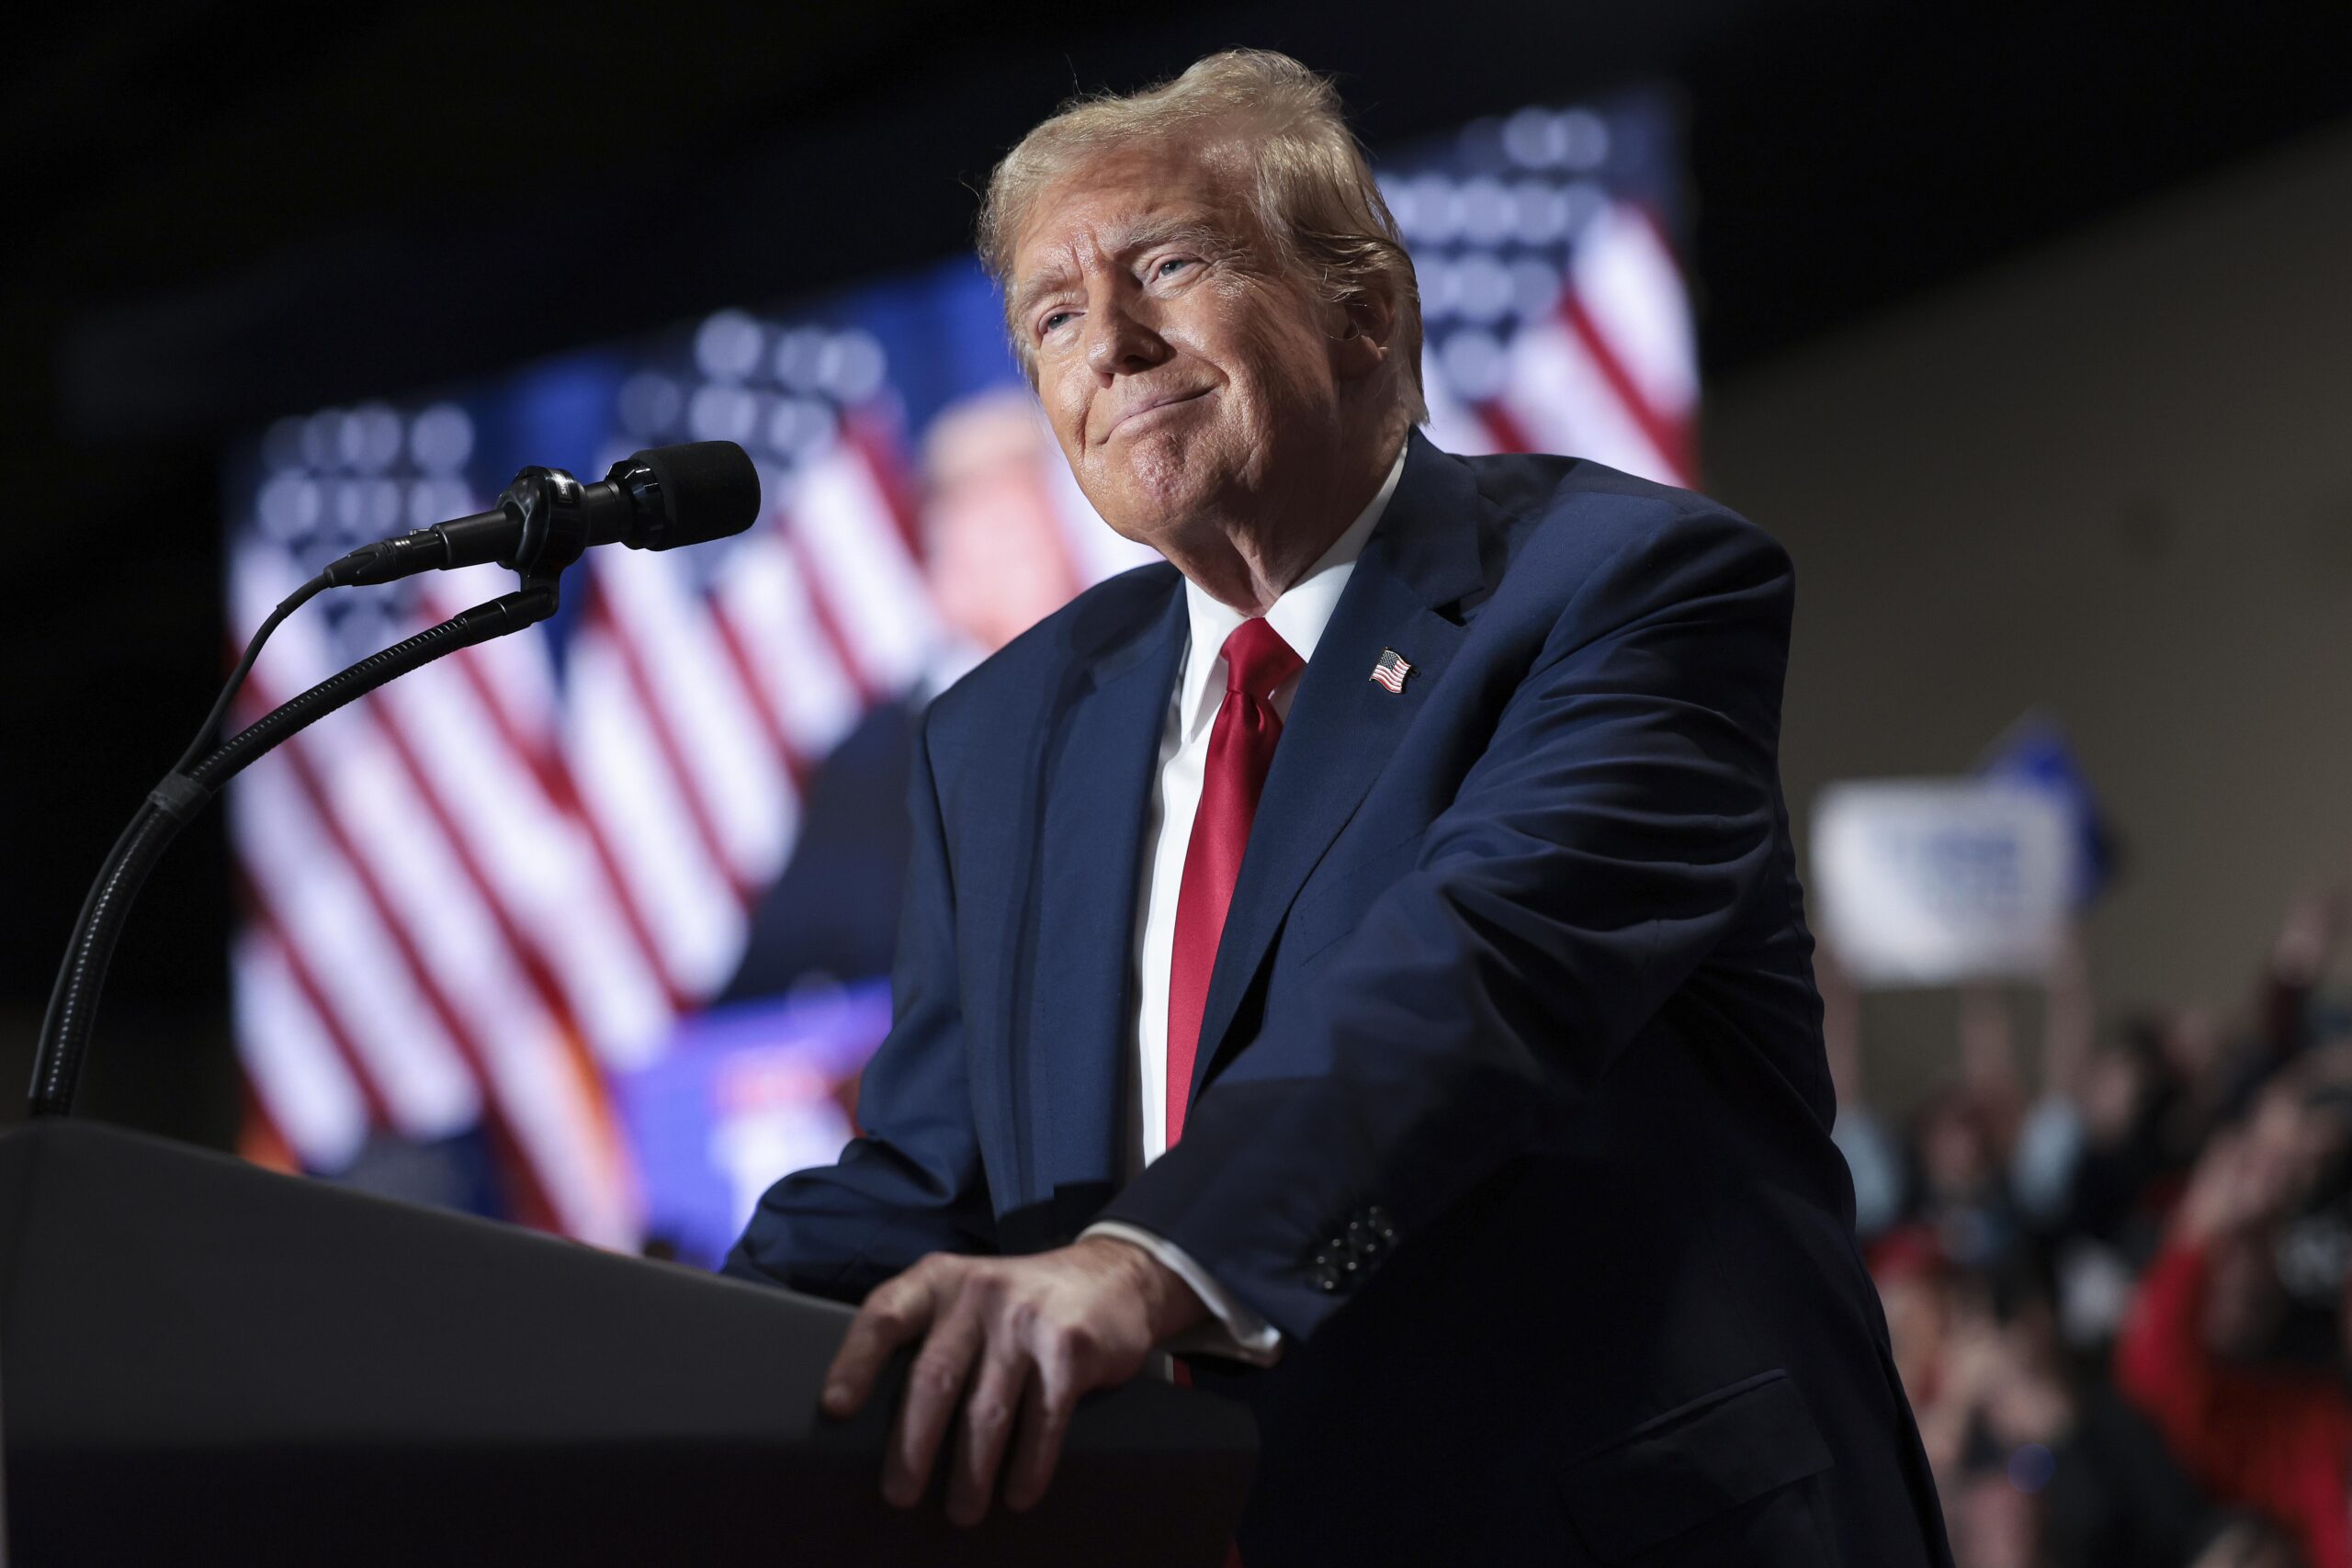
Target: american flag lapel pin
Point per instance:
(1391, 670)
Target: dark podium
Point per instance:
(202, 1361)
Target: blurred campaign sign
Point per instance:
(743, 1094)
(2034, 753)
(1929, 882)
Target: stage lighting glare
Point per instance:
(381, 504)
(1474, 363)
(1539, 212)
(1483, 287)
(851, 367)
(441, 438)
(798, 353)
(369, 438)
(1436, 210)
(1534, 288)
(800, 426)
(436, 501)
(1441, 287)
(650, 402)
(721, 413)
(1487, 214)
(728, 345)
(323, 440)
(289, 505)
(1583, 139)
(1532, 137)
(1582, 201)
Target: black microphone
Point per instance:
(654, 500)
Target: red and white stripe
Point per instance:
(763, 612)
(846, 524)
(1610, 374)
(383, 924)
(620, 749)
(739, 788)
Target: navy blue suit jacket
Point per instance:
(1510, 1111)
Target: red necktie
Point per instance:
(1241, 748)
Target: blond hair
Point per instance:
(1313, 193)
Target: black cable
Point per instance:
(210, 732)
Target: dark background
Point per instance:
(225, 212)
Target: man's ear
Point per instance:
(1366, 325)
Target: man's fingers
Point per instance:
(897, 1312)
(934, 1384)
(1026, 1337)
(986, 1429)
(1045, 1417)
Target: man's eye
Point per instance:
(1053, 319)
(1161, 270)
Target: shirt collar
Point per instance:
(1299, 614)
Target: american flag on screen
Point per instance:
(480, 902)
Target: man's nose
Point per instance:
(1120, 341)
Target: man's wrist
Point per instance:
(1170, 1306)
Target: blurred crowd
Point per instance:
(2117, 1288)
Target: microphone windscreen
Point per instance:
(709, 489)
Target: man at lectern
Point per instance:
(1362, 955)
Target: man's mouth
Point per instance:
(1153, 405)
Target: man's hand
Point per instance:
(1027, 1336)
(2239, 1184)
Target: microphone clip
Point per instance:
(552, 509)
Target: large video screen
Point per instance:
(590, 928)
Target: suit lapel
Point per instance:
(1069, 1030)
(1344, 726)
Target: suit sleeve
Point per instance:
(1623, 813)
(911, 1183)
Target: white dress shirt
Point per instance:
(1299, 615)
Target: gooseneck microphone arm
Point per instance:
(185, 791)
(655, 500)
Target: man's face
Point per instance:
(1183, 374)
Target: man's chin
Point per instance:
(1154, 508)
(1152, 532)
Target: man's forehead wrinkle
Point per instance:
(1052, 280)
(1095, 244)
(1159, 228)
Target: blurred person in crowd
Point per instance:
(2286, 1019)
(1874, 1155)
(2128, 1136)
(2274, 1437)
(2119, 1498)
(1959, 1143)
(2004, 1349)
(2247, 1543)
(1981, 1363)
(1403, 1155)
(995, 563)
